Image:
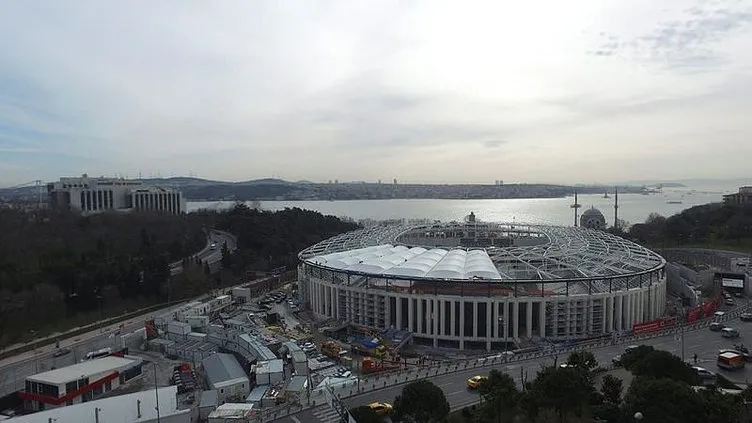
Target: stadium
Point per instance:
(479, 285)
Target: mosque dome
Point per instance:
(592, 218)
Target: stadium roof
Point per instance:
(537, 253)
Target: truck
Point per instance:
(729, 360)
(333, 350)
(369, 365)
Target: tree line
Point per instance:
(709, 224)
(60, 269)
(664, 390)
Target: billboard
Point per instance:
(732, 283)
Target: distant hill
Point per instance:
(198, 189)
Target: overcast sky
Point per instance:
(527, 91)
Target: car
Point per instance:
(716, 327)
(729, 301)
(737, 294)
(380, 408)
(475, 381)
(730, 333)
(61, 352)
(630, 348)
(719, 314)
(745, 317)
(704, 373)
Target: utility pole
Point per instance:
(156, 392)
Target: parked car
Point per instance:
(704, 373)
(745, 317)
(717, 327)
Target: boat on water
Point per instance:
(674, 202)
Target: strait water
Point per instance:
(634, 208)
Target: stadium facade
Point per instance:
(484, 285)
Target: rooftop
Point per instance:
(534, 253)
(121, 408)
(271, 366)
(222, 368)
(85, 369)
(232, 411)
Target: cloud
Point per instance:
(366, 91)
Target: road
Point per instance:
(15, 369)
(702, 342)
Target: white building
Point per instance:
(224, 374)
(138, 407)
(78, 383)
(93, 195)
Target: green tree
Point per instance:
(564, 390)
(662, 364)
(660, 400)
(611, 388)
(421, 402)
(584, 360)
(628, 359)
(500, 396)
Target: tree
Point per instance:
(584, 360)
(659, 400)
(628, 359)
(565, 390)
(611, 388)
(662, 364)
(500, 396)
(421, 402)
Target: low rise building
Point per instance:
(270, 372)
(209, 402)
(78, 383)
(227, 413)
(744, 196)
(151, 406)
(224, 373)
(256, 347)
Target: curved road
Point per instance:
(15, 369)
(701, 341)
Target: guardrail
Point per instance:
(390, 379)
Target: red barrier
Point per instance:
(695, 314)
(653, 326)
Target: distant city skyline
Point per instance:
(425, 92)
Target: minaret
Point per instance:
(616, 208)
(575, 206)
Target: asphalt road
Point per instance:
(15, 369)
(702, 342)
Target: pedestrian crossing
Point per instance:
(325, 414)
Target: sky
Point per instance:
(580, 91)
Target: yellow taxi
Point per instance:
(380, 408)
(475, 381)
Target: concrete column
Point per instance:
(420, 329)
(388, 312)
(462, 324)
(410, 314)
(603, 317)
(619, 324)
(476, 319)
(542, 318)
(435, 319)
(529, 318)
(555, 319)
(516, 320)
(453, 318)
(398, 323)
(507, 316)
(440, 317)
(489, 326)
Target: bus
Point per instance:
(91, 355)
